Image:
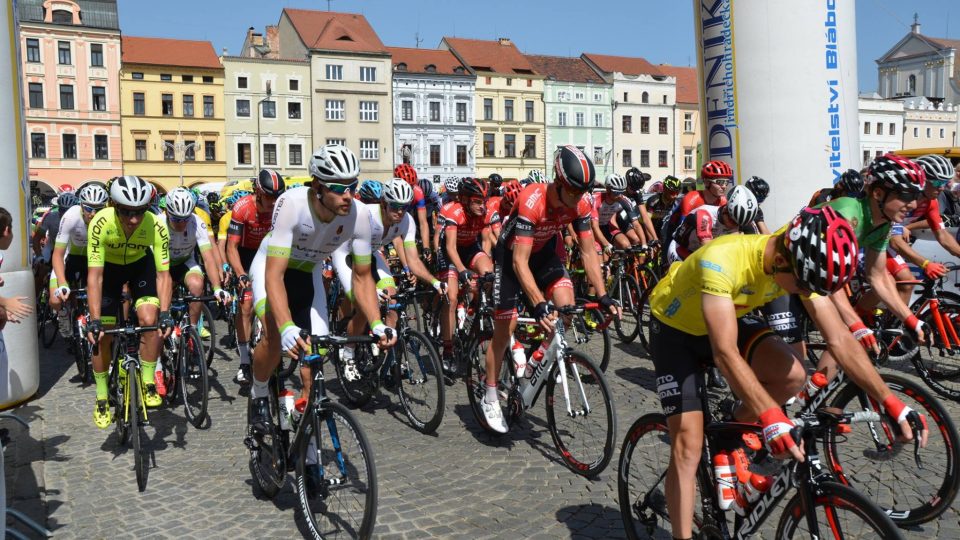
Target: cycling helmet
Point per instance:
(406, 172)
(635, 179)
(213, 198)
(823, 249)
(656, 187)
(371, 191)
(269, 182)
(536, 176)
(94, 195)
(66, 200)
(131, 191)
(689, 184)
(672, 184)
(452, 183)
(759, 187)
(495, 181)
(472, 187)
(334, 163)
(162, 203)
(526, 181)
(937, 168)
(511, 190)
(742, 205)
(616, 183)
(716, 169)
(426, 186)
(397, 191)
(236, 196)
(65, 187)
(897, 173)
(573, 168)
(180, 203)
(851, 182)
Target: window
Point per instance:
(269, 154)
(62, 16)
(664, 99)
(368, 74)
(561, 119)
(625, 97)
(597, 119)
(644, 124)
(866, 156)
(688, 159)
(563, 96)
(644, 98)
(208, 79)
(243, 107)
(63, 53)
(186, 78)
(334, 72)
(916, 132)
(529, 146)
(293, 110)
(879, 128)
(893, 129)
(487, 79)
(188, 150)
(941, 133)
(210, 150)
(488, 150)
(69, 146)
(598, 97)
(140, 149)
(38, 145)
(529, 111)
(33, 50)
(529, 83)
(461, 155)
(166, 77)
(508, 110)
(434, 155)
(509, 81)
(487, 109)
(579, 96)
(878, 153)
(96, 55)
(139, 105)
(168, 154)
(688, 122)
(137, 76)
(644, 158)
(99, 98)
(166, 101)
(243, 154)
(662, 125)
(627, 123)
(434, 111)
(241, 82)
(66, 97)
(406, 110)
(369, 149)
(598, 155)
(628, 158)
(208, 106)
(866, 128)
(928, 133)
(579, 118)
(269, 109)
(370, 111)
(509, 146)
(461, 112)
(36, 95)
(296, 155)
(294, 85)
(662, 158)
(341, 142)
(335, 109)
(188, 105)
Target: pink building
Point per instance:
(71, 64)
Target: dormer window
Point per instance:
(431, 68)
(62, 16)
(402, 66)
(458, 70)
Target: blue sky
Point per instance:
(660, 31)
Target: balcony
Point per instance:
(98, 73)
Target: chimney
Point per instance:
(504, 41)
(915, 27)
(224, 51)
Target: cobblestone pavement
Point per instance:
(461, 482)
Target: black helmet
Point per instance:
(851, 182)
(635, 179)
(573, 168)
(759, 187)
(472, 187)
(270, 183)
(495, 180)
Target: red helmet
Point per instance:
(511, 190)
(897, 173)
(823, 249)
(472, 187)
(716, 169)
(406, 172)
(65, 187)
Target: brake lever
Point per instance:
(917, 426)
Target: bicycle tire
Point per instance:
(475, 380)
(572, 442)
(210, 343)
(645, 317)
(830, 497)
(627, 292)
(47, 331)
(877, 478)
(940, 366)
(343, 429)
(268, 460)
(140, 462)
(417, 367)
(360, 391)
(192, 377)
(595, 317)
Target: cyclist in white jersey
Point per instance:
(707, 222)
(617, 218)
(69, 257)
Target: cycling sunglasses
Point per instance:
(90, 209)
(178, 219)
(722, 182)
(340, 189)
(131, 212)
(397, 207)
(907, 196)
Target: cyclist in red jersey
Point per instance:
(716, 175)
(250, 222)
(418, 207)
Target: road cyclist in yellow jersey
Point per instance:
(120, 239)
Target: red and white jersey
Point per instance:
(533, 221)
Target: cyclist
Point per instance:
(69, 258)
(450, 186)
(418, 207)
(434, 203)
(45, 234)
(700, 318)
(608, 205)
(849, 185)
(310, 224)
(761, 190)
(527, 261)
(707, 222)
(250, 222)
(635, 182)
(370, 192)
(716, 175)
(223, 227)
(536, 176)
(511, 190)
(118, 241)
(660, 203)
(494, 183)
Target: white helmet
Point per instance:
(452, 183)
(397, 191)
(616, 183)
(937, 167)
(742, 205)
(94, 195)
(180, 203)
(334, 163)
(131, 191)
(537, 176)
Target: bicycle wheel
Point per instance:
(47, 321)
(583, 425)
(336, 477)
(476, 381)
(870, 459)
(268, 459)
(359, 391)
(137, 435)
(645, 317)
(194, 385)
(841, 512)
(209, 342)
(938, 360)
(419, 379)
(627, 292)
(592, 319)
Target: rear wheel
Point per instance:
(593, 320)
(419, 381)
(627, 293)
(194, 385)
(268, 460)
(841, 512)
(360, 389)
(475, 378)
(206, 322)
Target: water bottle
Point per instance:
(461, 316)
(814, 383)
(519, 356)
(726, 476)
(750, 485)
(536, 358)
(286, 403)
(298, 407)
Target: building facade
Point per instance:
(929, 124)
(172, 111)
(433, 113)
(509, 107)
(881, 126)
(578, 109)
(920, 66)
(350, 83)
(71, 64)
(686, 120)
(267, 116)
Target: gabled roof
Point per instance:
(624, 64)
(686, 82)
(935, 44)
(418, 60)
(500, 56)
(945, 43)
(330, 30)
(93, 13)
(562, 68)
(169, 52)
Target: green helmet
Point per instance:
(672, 183)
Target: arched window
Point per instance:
(912, 85)
(644, 98)
(62, 16)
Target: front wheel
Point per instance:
(476, 381)
(268, 459)
(416, 370)
(141, 463)
(206, 323)
(627, 293)
(841, 512)
(192, 378)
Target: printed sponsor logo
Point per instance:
(832, 64)
(711, 266)
(672, 308)
(716, 29)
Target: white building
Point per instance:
(919, 65)
(929, 124)
(433, 112)
(881, 125)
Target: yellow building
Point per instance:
(509, 107)
(171, 111)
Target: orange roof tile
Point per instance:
(687, 83)
(500, 56)
(561, 68)
(335, 31)
(624, 64)
(169, 52)
(417, 60)
(945, 43)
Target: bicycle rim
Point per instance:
(137, 436)
(336, 476)
(210, 343)
(592, 319)
(476, 383)
(627, 293)
(48, 326)
(841, 512)
(268, 461)
(420, 381)
(194, 384)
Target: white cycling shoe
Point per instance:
(494, 416)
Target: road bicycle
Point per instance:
(184, 361)
(472, 326)
(47, 325)
(78, 344)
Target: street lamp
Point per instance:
(259, 114)
(180, 149)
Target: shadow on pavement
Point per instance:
(643, 376)
(24, 458)
(592, 521)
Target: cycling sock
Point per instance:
(491, 395)
(259, 389)
(447, 348)
(147, 374)
(100, 378)
(244, 353)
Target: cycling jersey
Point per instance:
(533, 222)
(406, 229)
(605, 211)
(72, 233)
(694, 199)
(204, 215)
(467, 227)
(248, 224)
(857, 212)
(224, 225)
(701, 225)
(493, 209)
(183, 244)
(107, 243)
(418, 200)
(49, 226)
(658, 207)
(927, 209)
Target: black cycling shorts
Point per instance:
(76, 270)
(142, 279)
(548, 271)
(785, 316)
(468, 255)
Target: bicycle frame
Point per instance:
(529, 389)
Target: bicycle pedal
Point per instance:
(251, 443)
